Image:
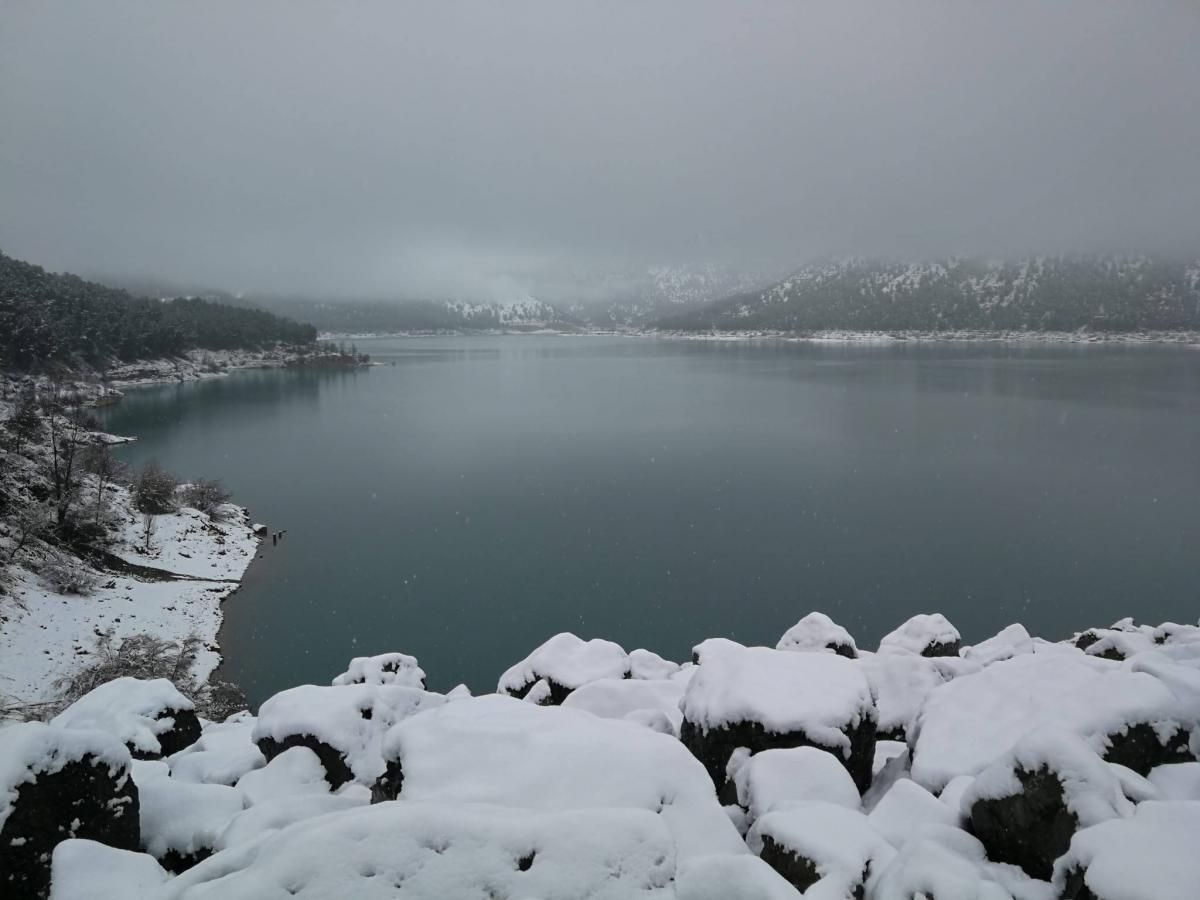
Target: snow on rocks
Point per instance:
(905, 807)
(152, 718)
(1149, 856)
(741, 877)
(902, 681)
(638, 700)
(941, 862)
(967, 723)
(778, 779)
(1177, 781)
(272, 814)
(1025, 807)
(55, 784)
(343, 725)
(433, 850)
(649, 665)
(761, 699)
(565, 662)
(501, 751)
(823, 849)
(223, 754)
(87, 870)
(817, 632)
(294, 772)
(180, 820)
(1012, 641)
(386, 668)
(926, 635)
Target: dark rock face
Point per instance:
(81, 800)
(1029, 829)
(1138, 748)
(175, 862)
(337, 772)
(1074, 887)
(843, 650)
(942, 648)
(1091, 636)
(181, 735)
(388, 785)
(558, 692)
(714, 746)
(799, 871)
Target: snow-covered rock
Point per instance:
(224, 753)
(904, 808)
(1012, 641)
(649, 665)
(273, 813)
(1149, 856)
(500, 751)
(779, 779)
(88, 870)
(295, 772)
(152, 718)
(941, 862)
(761, 699)
(723, 877)
(634, 699)
(55, 784)
(343, 725)
(1177, 781)
(437, 850)
(816, 632)
(924, 634)
(902, 681)
(1026, 806)
(967, 723)
(565, 662)
(386, 668)
(823, 849)
(180, 820)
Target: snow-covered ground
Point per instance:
(45, 635)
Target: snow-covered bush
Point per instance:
(64, 576)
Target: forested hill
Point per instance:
(1040, 294)
(48, 319)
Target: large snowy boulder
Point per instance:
(224, 753)
(55, 784)
(779, 779)
(434, 851)
(1150, 856)
(343, 725)
(1026, 806)
(925, 635)
(87, 870)
(761, 699)
(564, 663)
(943, 863)
(639, 700)
(152, 718)
(817, 633)
(1011, 641)
(386, 668)
(649, 665)
(503, 752)
(295, 772)
(904, 808)
(967, 723)
(823, 849)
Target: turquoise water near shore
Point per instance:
(474, 495)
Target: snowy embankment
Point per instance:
(842, 336)
(198, 561)
(1014, 769)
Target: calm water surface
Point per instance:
(475, 495)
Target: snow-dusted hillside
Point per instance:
(1042, 293)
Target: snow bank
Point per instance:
(816, 632)
(566, 662)
(136, 712)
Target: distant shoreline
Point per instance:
(838, 336)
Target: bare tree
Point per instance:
(29, 522)
(25, 424)
(67, 425)
(100, 462)
(205, 495)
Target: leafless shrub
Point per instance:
(205, 495)
(154, 490)
(64, 576)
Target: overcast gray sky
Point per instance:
(375, 148)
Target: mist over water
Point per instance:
(476, 495)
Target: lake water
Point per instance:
(475, 495)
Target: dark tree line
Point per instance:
(48, 319)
